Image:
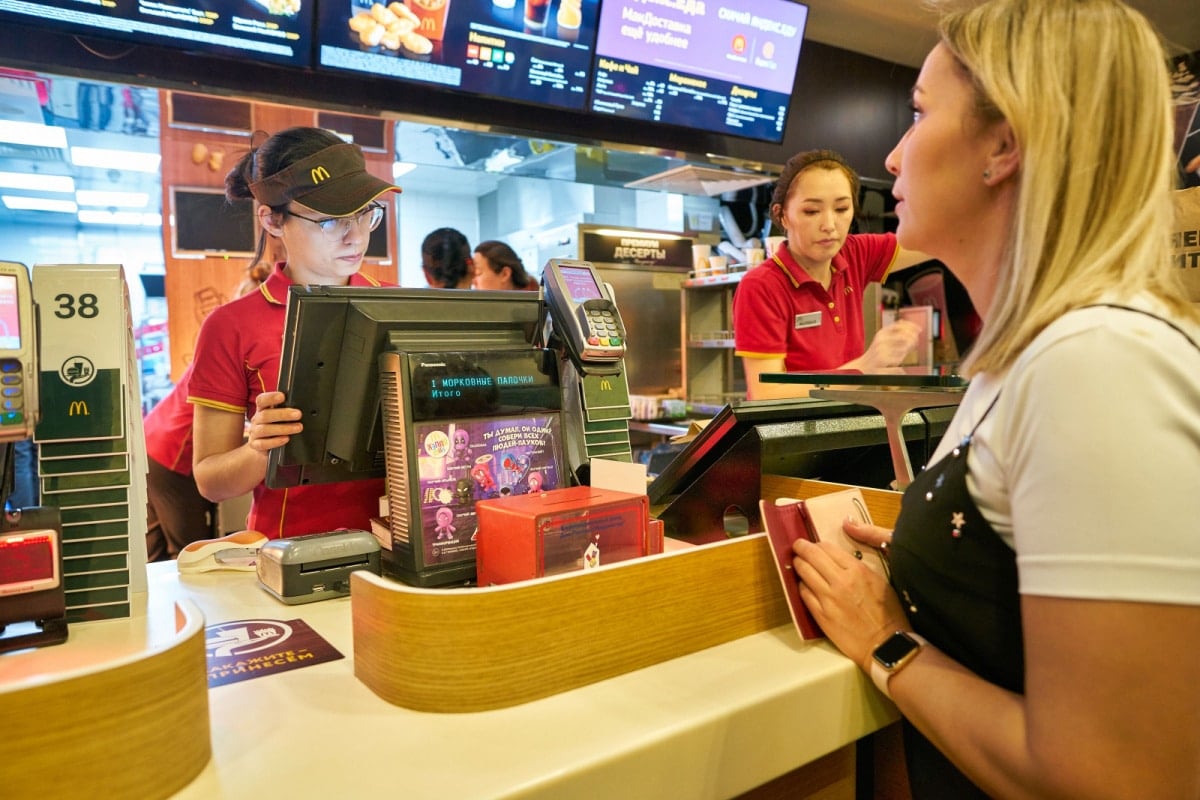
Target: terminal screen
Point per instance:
(10, 316)
(28, 562)
(580, 284)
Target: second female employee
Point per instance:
(801, 309)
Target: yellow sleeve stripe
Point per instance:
(892, 263)
(752, 354)
(200, 401)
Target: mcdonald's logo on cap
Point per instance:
(78, 407)
(318, 174)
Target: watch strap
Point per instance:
(880, 675)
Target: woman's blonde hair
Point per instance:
(1084, 84)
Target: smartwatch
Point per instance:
(892, 656)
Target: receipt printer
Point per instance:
(304, 569)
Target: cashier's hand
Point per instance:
(271, 426)
(890, 345)
(855, 607)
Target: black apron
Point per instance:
(958, 582)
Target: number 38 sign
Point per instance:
(84, 343)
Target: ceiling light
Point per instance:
(36, 182)
(88, 197)
(101, 158)
(401, 168)
(17, 203)
(632, 232)
(32, 134)
(91, 216)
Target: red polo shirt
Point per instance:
(168, 429)
(237, 358)
(779, 311)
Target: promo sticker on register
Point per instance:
(254, 648)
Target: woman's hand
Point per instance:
(855, 607)
(271, 426)
(876, 536)
(890, 345)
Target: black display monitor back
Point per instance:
(710, 490)
(329, 368)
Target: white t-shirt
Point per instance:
(1089, 465)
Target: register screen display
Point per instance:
(10, 317)
(268, 30)
(28, 562)
(725, 66)
(535, 51)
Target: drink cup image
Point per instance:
(753, 256)
(718, 264)
(567, 20)
(700, 254)
(432, 17)
(535, 13)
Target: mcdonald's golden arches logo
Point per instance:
(605, 385)
(318, 174)
(78, 408)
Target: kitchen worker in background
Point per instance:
(446, 259)
(314, 193)
(1041, 629)
(801, 309)
(497, 266)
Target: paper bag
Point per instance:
(1185, 240)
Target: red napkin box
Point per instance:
(561, 530)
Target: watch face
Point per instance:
(893, 651)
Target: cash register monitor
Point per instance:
(333, 338)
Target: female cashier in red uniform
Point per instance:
(801, 309)
(315, 195)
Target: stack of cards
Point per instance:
(92, 459)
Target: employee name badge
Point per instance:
(809, 320)
(83, 349)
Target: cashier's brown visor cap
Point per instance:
(333, 181)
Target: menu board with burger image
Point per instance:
(535, 51)
(269, 30)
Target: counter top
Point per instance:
(709, 725)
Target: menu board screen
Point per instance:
(278, 31)
(725, 66)
(534, 51)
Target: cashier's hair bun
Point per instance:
(825, 159)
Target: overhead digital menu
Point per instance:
(719, 65)
(278, 31)
(535, 51)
